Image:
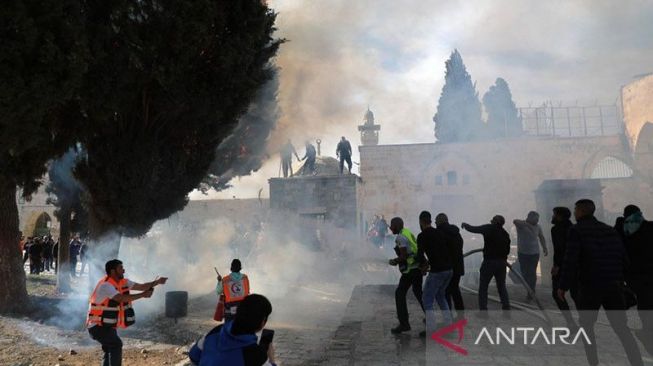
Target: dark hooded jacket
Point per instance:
(639, 247)
(221, 348)
(596, 254)
(559, 235)
(455, 245)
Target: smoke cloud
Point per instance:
(342, 56)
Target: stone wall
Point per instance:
(30, 211)
(473, 181)
(333, 198)
(637, 104)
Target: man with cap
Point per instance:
(234, 287)
(496, 247)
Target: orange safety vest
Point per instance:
(109, 312)
(234, 292)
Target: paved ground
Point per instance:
(364, 336)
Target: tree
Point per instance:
(70, 212)
(41, 67)
(458, 116)
(502, 117)
(167, 83)
(245, 150)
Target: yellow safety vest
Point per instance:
(412, 255)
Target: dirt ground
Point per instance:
(35, 339)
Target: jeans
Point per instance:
(454, 295)
(612, 300)
(411, 279)
(493, 268)
(111, 344)
(435, 289)
(528, 266)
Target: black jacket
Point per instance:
(455, 245)
(433, 243)
(595, 253)
(496, 240)
(639, 247)
(559, 235)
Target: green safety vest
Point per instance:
(412, 257)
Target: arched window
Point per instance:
(611, 167)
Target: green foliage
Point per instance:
(167, 82)
(42, 62)
(245, 150)
(458, 116)
(502, 117)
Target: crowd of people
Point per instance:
(598, 264)
(43, 253)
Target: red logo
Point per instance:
(460, 325)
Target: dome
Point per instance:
(324, 165)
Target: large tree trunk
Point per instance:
(63, 257)
(104, 245)
(13, 291)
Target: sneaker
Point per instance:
(400, 328)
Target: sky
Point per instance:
(343, 56)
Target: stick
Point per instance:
(216, 271)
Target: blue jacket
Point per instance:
(221, 348)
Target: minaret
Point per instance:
(369, 130)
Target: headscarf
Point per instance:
(633, 222)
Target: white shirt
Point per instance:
(106, 290)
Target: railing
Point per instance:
(561, 122)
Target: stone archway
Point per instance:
(608, 159)
(36, 224)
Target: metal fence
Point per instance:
(571, 121)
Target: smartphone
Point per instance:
(266, 338)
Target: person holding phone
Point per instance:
(235, 343)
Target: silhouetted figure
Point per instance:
(343, 152)
(382, 230)
(35, 256)
(529, 239)
(287, 151)
(559, 234)
(75, 246)
(495, 254)
(309, 156)
(455, 245)
(637, 234)
(55, 256)
(411, 275)
(596, 253)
